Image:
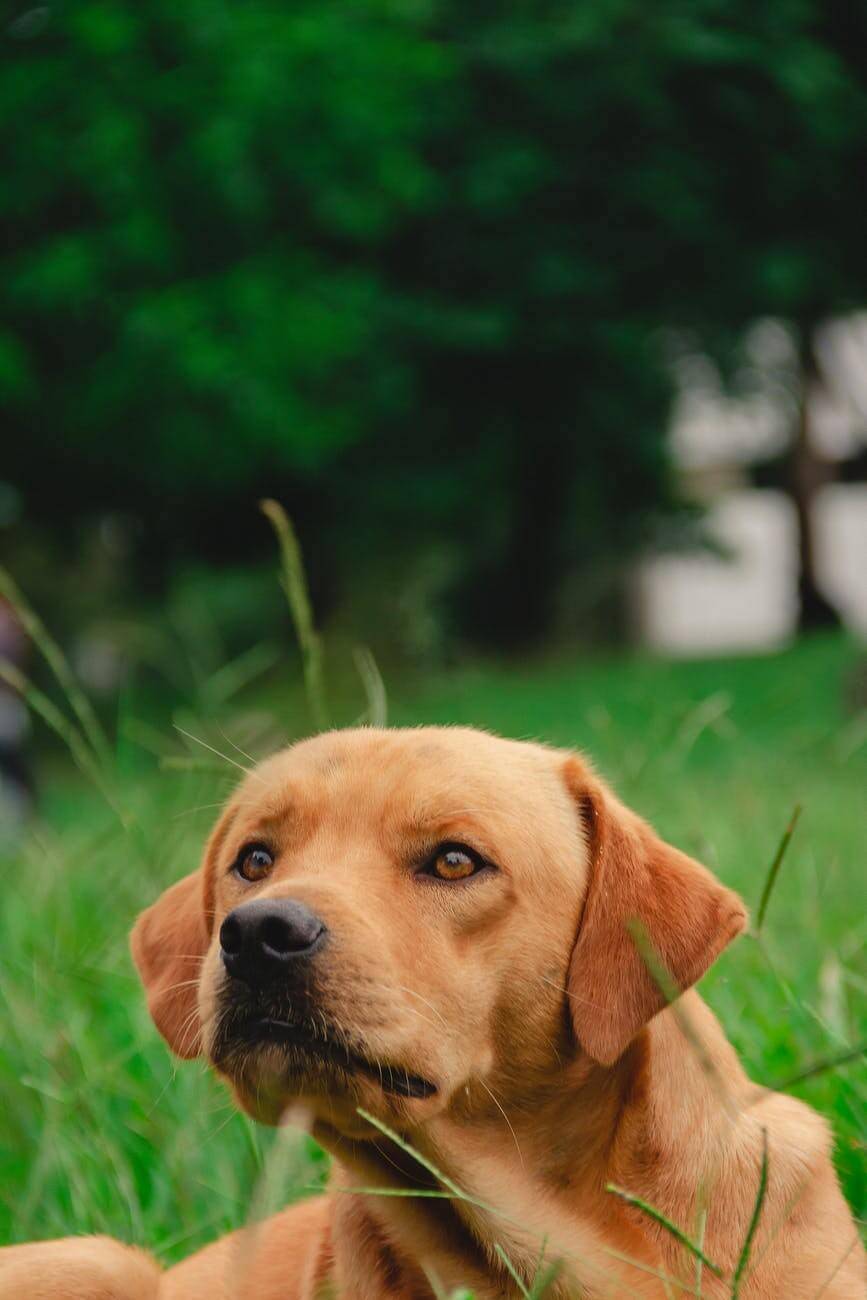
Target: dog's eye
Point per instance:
(253, 863)
(453, 862)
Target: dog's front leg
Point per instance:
(78, 1268)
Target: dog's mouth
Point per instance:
(307, 1043)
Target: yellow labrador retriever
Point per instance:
(451, 953)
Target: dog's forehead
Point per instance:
(408, 773)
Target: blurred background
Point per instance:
(544, 321)
(547, 324)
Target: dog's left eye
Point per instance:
(453, 862)
(253, 863)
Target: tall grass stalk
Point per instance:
(184, 763)
(836, 1269)
(774, 870)
(293, 580)
(702, 1226)
(374, 686)
(671, 1228)
(59, 665)
(81, 753)
(513, 1272)
(671, 991)
(822, 1067)
(744, 1258)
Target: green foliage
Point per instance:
(403, 263)
(194, 194)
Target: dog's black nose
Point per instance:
(259, 940)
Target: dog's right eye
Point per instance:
(453, 862)
(253, 863)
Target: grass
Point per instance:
(101, 1131)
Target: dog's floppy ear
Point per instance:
(169, 941)
(637, 884)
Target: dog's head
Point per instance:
(386, 917)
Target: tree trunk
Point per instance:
(808, 472)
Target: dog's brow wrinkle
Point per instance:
(278, 806)
(432, 819)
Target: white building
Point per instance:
(745, 597)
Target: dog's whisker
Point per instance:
(412, 993)
(571, 995)
(188, 1031)
(388, 1159)
(181, 984)
(237, 747)
(499, 1107)
(248, 771)
(390, 988)
(202, 807)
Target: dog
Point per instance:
(467, 968)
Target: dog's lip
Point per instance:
(391, 1078)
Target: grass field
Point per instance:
(101, 1131)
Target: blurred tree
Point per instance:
(193, 295)
(402, 263)
(771, 112)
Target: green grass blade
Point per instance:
(405, 1193)
(182, 763)
(231, 678)
(659, 972)
(699, 1263)
(544, 1277)
(744, 1259)
(416, 1155)
(374, 686)
(821, 1067)
(543, 1281)
(775, 866)
(672, 1228)
(44, 708)
(836, 1269)
(59, 665)
(671, 991)
(294, 583)
(512, 1271)
(435, 1285)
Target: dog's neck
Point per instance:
(522, 1182)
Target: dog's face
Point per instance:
(388, 919)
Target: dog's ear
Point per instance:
(169, 941)
(638, 887)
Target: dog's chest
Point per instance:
(510, 1214)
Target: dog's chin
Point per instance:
(282, 1071)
